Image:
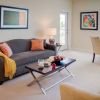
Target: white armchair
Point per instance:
(68, 92)
(96, 46)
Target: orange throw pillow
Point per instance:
(37, 44)
(6, 49)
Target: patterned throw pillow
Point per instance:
(37, 44)
(4, 47)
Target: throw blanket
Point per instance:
(9, 66)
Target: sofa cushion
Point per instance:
(19, 45)
(37, 44)
(5, 49)
(31, 56)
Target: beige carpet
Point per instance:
(86, 77)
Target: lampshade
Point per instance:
(51, 31)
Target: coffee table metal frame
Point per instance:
(32, 70)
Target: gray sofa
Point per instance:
(22, 55)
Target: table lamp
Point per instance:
(51, 33)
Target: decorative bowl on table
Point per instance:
(46, 65)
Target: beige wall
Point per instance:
(81, 38)
(42, 14)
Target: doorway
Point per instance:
(63, 30)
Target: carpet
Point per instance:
(86, 75)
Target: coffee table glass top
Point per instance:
(47, 70)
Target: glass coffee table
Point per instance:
(34, 67)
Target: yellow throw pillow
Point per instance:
(37, 44)
(4, 47)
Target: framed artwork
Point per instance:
(89, 20)
(13, 18)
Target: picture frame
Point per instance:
(13, 17)
(89, 20)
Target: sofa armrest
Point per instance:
(50, 46)
(1, 70)
(68, 92)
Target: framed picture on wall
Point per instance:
(89, 20)
(13, 18)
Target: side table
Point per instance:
(58, 45)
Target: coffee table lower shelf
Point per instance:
(44, 90)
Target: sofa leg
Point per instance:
(93, 57)
(1, 82)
